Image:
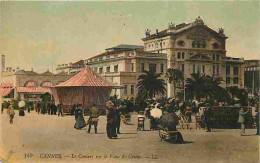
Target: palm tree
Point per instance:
(196, 86)
(150, 85)
(174, 76)
(215, 91)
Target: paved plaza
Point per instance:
(36, 137)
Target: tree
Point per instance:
(149, 85)
(174, 76)
(215, 91)
(196, 86)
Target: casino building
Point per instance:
(192, 47)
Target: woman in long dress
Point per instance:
(80, 121)
(111, 120)
(21, 105)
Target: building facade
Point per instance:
(71, 68)
(193, 48)
(252, 75)
(29, 84)
(122, 65)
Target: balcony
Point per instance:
(110, 74)
(238, 60)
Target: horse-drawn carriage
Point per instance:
(171, 136)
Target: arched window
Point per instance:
(47, 84)
(31, 84)
(181, 43)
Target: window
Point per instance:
(132, 67)
(179, 55)
(180, 43)
(116, 68)
(198, 68)
(213, 57)
(161, 68)
(228, 70)
(108, 56)
(203, 68)
(203, 44)
(125, 90)
(227, 80)
(156, 45)
(217, 69)
(132, 89)
(182, 67)
(193, 68)
(235, 80)
(213, 70)
(152, 67)
(198, 44)
(194, 44)
(100, 69)
(215, 46)
(108, 69)
(142, 67)
(95, 69)
(182, 55)
(217, 57)
(235, 70)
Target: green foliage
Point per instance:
(46, 97)
(239, 94)
(5, 104)
(150, 85)
(227, 117)
(205, 86)
(125, 105)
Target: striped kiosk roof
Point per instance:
(85, 78)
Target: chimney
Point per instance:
(157, 31)
(2, 63)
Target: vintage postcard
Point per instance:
(129, 81)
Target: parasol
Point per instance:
(21, 104)
(156, 113)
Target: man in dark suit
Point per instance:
(118, 120)
(207, 118)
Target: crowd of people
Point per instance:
(159, 113)
(156, 108)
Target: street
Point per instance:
(41, 138)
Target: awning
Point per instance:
(5, 85)
(5, 91)
(6, 88)
(33, 90)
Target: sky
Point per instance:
(40, 35)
